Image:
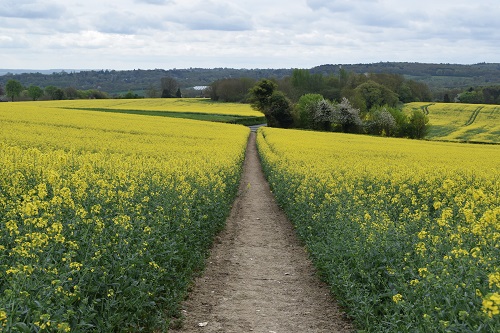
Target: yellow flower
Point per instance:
(491, 304)
(494, 279)
(63, 327)
(3, 316)
(397, 298)
(414, 282)
(423, 272)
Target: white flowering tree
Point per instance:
(347, 117)
(323, 115)
(383, 123)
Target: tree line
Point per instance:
(441, 78)
(14, 90)
(347, 102)
(315, 112)
(479, 95)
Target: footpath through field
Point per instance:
(258, 278)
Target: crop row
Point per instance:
(406, 233)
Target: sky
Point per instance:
(167, 34)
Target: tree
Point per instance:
(130, 95)
(373, 94)
(417, 127)
(35, 92)
(58, 94)
(279, 111)
(51, 91)
(151, 92)
(260, 94)
(304, 82)
(274, 104)
(446, 98)
(178, 94)
(420, 92)
(1, 90)
(231, 90)
(169, 86)
(71, 92)
(382, 122)
(347, 117)
(323, 115)
(13, 89)
(303, 111)
(471, 97)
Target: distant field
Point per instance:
(461, 122)
(190, 108)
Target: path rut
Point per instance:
(258, 277)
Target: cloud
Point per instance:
(93, 40)
(154, 2)
(210, 21)
(211, 15)
(28, 9)
(7, 42)
(253, 33)
(126, 23)
(339, 5)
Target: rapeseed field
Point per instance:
(104, 218)
(461, 122)
(407, 233)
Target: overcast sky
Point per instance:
(148, 34)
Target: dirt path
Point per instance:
(258, 278)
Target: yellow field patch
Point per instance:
(197, 105)
(461, 122)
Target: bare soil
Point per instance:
(258, 277)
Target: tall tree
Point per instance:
(231, 90)
(274, 104)
(279, 111)
(169, 86)
(152, 91)
(261, 93)
(13, 89)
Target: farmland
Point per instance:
(461, 122)
(405, 232)
(108, 207)
(105, 217)
(187, 108)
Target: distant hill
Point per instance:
(436, 76)
(113, 81)
(41, 71)
(439, 77)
